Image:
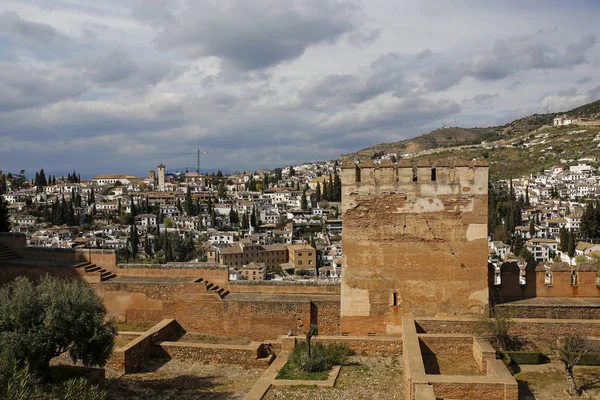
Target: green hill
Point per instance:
(524, 146)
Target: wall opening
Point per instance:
(497, 278)
(573, 278)
(471, 174)
(433, 174)
(548, 279)
(357, 174)
(395, 299)
(414, 171)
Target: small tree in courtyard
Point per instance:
(570, 350)
(496, 329)
(40, 322)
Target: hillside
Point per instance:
(523, 146)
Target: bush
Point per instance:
(526, 357)
(40, 322)
(322, 357)
(590, 359)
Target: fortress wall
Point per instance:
(197, 311)
(415, 243)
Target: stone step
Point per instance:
(82, 264)
(106, 275)
(92, 268)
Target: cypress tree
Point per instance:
(4, 222)
(337, 187)
(188, 202)
(527, 203)
(318, 192)
(571, 245)
(532, 228)
(589, 226)
(564, 239)
(213, 218)
(303, 202)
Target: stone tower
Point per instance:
(152, 176)
(161, 177)
(415, 242)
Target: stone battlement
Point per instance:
(419, 180)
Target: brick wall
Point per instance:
(284, 287)
(218, 275)
(248, 355)
(252, 318)
(373, 346)
(130, 357)
(106, 259)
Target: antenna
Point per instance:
(198, 157)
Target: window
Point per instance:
(395, 299)
(309, 262)
(573, 278)
(299, 254)
(548, 279)
(357, 174)
(300, 262)
(433, 174)
(497, 278)
(310, 254)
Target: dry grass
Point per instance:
(548, 382)
(364, 378)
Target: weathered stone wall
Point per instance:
(561, 285)
(252, 317)
(373, 346)
(412, 247)
(211, 272)
(130, 357)
(284, 287)
(9, 271)
(106, 259)
(460, 345)
(539, 329)
(15, 241)
(247, 355)
(554, 311)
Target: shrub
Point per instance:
(526, 357)
(322, 357)
(590, 359)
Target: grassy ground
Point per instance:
(183, 381)
(289, 372)
(122, 340)
(548, 382)
(364, 378)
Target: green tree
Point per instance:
(564, 239)
(532, 228)
(303, 202)
(189, 206)
(527, 202)
(571, 245)
(40, 322)
(134, 240)
(318, 192)
(91, 197)
(292, 171)
(4, 222)
(589, 224)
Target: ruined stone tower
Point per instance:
(415, 242)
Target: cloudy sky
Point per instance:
(111, 86)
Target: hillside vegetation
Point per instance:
(524, 146)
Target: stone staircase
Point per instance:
(6, 253)
(212, 288)
(91, 270)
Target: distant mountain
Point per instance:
(513, 149)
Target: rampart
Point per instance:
(106, 259)
(214, 273)
(285, 287)
(252, 316)
(130, 357)
(415, 243)
(15, 241)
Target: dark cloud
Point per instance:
(22, 87)
(21, 31)
(505, 59)
(570, 92)
(482, 99)
(385, 74)
(119, 69)
(258, 34)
